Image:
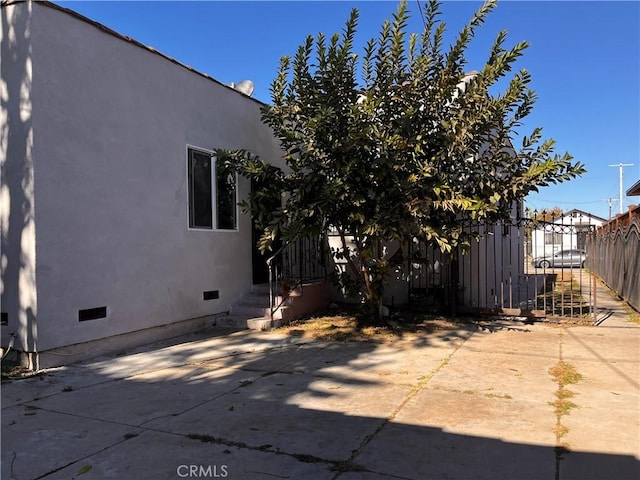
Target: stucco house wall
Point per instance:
(94, 187)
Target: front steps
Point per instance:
(252, 309)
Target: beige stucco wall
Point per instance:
(111, 123)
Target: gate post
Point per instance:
(453, 294)
(595, 297)
(592, 254)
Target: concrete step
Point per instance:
(235, 322)
(264, 323)
(263, 289)
(260, 289)
(248, 310)
(242, 322)
(255, 299)
(252, 309)
(261, 300)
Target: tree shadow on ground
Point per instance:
(264, 406)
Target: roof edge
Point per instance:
(577, 210)
(114, 33)
(634, 189)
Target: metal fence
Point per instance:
(616, 259)
(528, 268)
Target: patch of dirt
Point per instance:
(344, 325)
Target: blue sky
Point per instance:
(584, 60)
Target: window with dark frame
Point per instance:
(212, 192)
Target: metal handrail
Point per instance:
(274, 277)
(301, 259)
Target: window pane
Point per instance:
(552, 238)
(548, 238)
(225, 197)
(200, 191)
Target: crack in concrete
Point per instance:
(421, 385)
(564, 374)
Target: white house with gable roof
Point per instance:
(566, 232)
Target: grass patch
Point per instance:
(564, 373)
(562, 296)
(564, 393)
(473, 392)
(560, 431)
(506, 396)
(335, 328)
(562, 406)
(347, 326)
(634, 316)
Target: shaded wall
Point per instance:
(17, 201)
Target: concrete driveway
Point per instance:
(467, 403)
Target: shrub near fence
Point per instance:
(616, 257)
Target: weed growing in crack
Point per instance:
(563, 374)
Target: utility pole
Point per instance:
(610, 200)
(621, 166)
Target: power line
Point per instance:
(566, 203)
(421, 14)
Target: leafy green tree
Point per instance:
(399, 144)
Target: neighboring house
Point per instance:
(116, 221)
(566, 232)
(634, 190)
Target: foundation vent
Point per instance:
(211, 295)
(92, 314)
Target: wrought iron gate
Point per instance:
(527, 268)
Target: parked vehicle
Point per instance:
(562, 258)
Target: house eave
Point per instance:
(634, 190)
(110, 31)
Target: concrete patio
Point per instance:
(465, 403)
